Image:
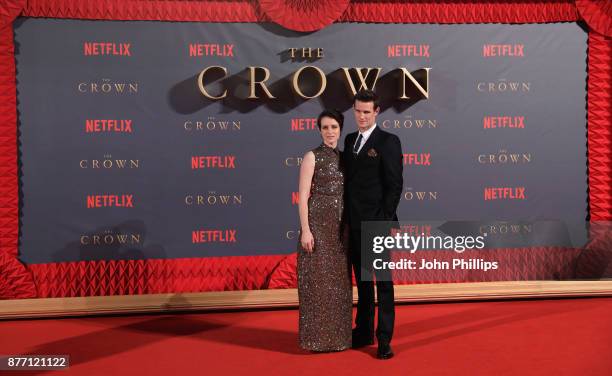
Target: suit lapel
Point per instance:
(350, 157)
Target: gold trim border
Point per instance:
(285, 298)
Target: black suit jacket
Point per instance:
(373, 178)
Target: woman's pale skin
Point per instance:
(330, 133)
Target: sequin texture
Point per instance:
(324, 276)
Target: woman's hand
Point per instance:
(307, 241)
(306, 174)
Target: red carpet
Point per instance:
(538, 337)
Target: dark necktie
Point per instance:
(357, 144)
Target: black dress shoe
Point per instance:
(384, 351)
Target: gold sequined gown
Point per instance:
(324, 276)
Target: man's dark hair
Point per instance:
(365, 95)
(331, 113)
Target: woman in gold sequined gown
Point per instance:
(324, 273)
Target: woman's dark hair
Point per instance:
(331, 113)
(365, 95)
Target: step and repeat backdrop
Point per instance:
(159, 140)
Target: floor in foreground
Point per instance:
(530, 337)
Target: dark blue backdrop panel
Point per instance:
(112, 124)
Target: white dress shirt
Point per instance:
(364, 137)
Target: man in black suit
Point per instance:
(373, 187)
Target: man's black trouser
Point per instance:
(362, 266)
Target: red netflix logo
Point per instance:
(110, 201)
(494, 50)
(504, 193)
(493, 122)
(106, 49)
(213, 161)
(213, 236)
(107, 125)
(402, 50)
(295, 198)
(300, 125)
(415, 159)
(412, 230)
(211, 49)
